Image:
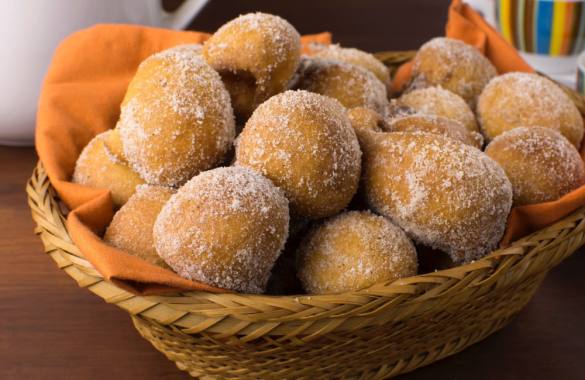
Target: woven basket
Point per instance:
(373, 333)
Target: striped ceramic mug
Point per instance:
(548, 34)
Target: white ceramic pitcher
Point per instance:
(30, 30)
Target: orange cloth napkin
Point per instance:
(466, 25)
(81, 98)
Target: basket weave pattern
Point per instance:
(373, 333)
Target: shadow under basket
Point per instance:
(374, 333)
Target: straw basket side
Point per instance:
(373, 333)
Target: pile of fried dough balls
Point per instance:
(326, 172)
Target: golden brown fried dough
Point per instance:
(527, 100)
(225, 227)
(356, 57)
(453, 65)
(96, 168)
(256, 54)
(304, 143)
(541, 164)
(114, 146)
(434, 124)
(441, 192)
(440, 102)
(176, 118)
(352, 85)
(131, 229)
(353, 250)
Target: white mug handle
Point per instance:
(180, 18)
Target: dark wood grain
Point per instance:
(51, 329)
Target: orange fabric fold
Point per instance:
(81, 98)
(468, 26)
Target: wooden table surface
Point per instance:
(51, 329)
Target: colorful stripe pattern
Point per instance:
(543, 27)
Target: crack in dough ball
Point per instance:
(356, 57)
(131, 229)
(304, 143)
(453, 65)
(354, 250)
(225, 227)
(527, 100)
(96, 168)
(440, 102)
(541, 164)
(176, 119)
(352, 85)
(441, 192)
(256, 54)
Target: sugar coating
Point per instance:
(443, 193)
(225, 227)
(131, 229)
(541, 164)
(436, 125)
(352, 85)
(527, 100)
(190, 48)
(356, 57)
(453, 65)
(256, 54)
(305, 144)
(176, 119)
(96, 168)
(438, 101)
(353, 250)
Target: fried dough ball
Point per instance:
(541, 164)
(194, 49)
(176, 119)
(96, 168)
(304, 143)
(131, 229)
(364, 120)
(437, 125)
(354, 250)
(352, 85)
(441, 192)
(356, 57)
(527, 100)
(256, 54)
(225, 227)
(440, 102)
(114, 146)
(453, 65)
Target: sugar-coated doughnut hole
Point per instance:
(131, 229)
(352, 85)
(453, 65)
(96, 168)
(176, 118)
(527, 100)
(356, 57)
(441, 192)
(225, 227)
(256, 54)
(440, 102)
(354, 250)
(305, 144)
(541, 164)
